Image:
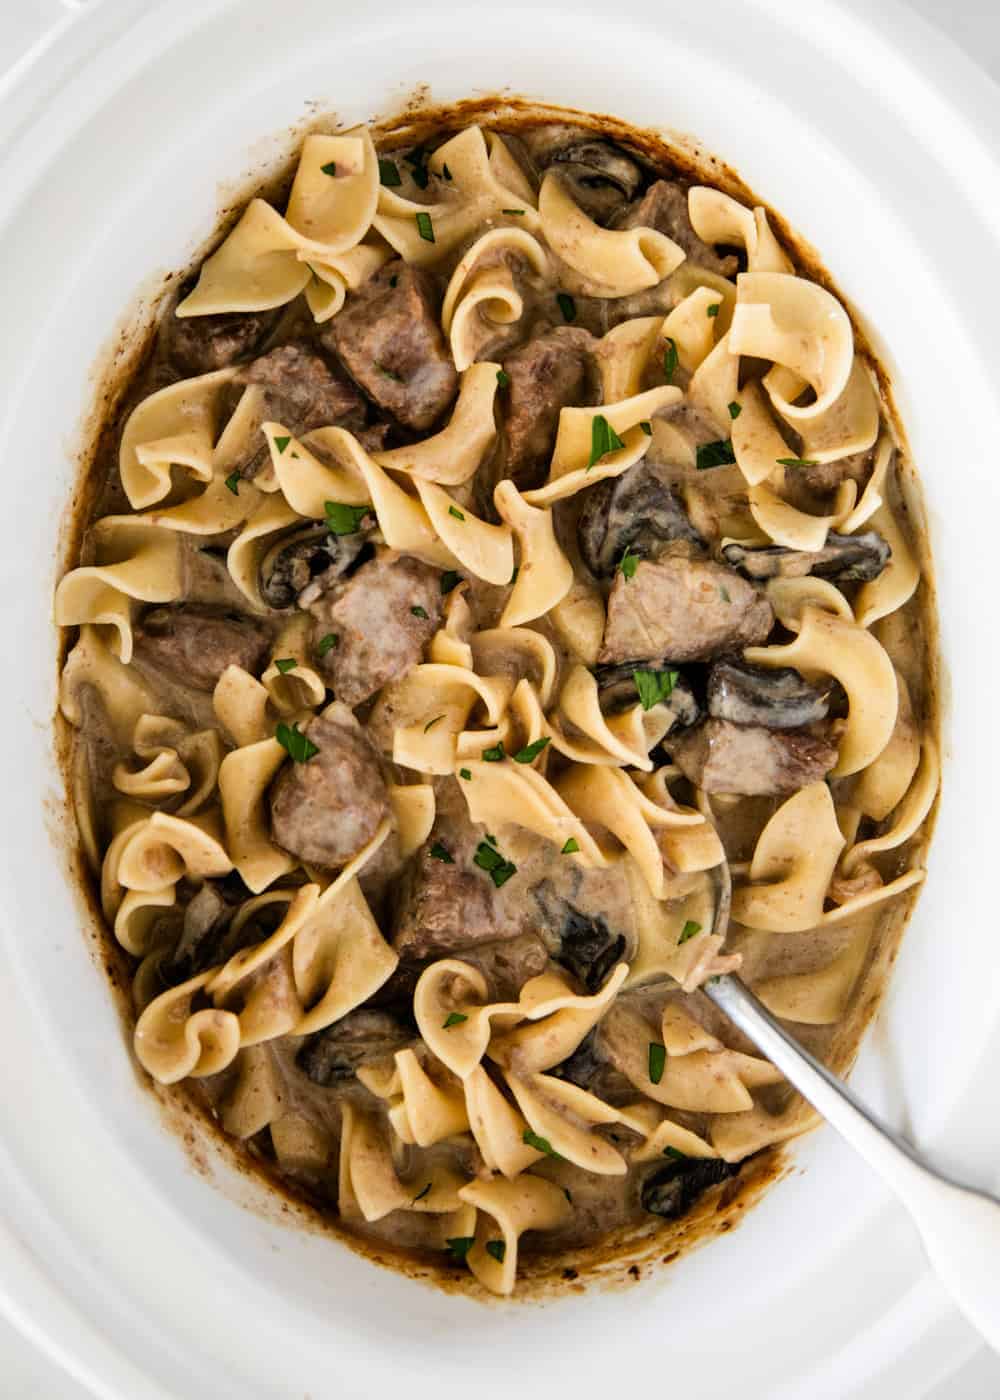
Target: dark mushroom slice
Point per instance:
(362, 1037)
(618, 691)
(206, 938)
(777, 699)
(301, 566)
(750, 760)
(588, 1069)
(601, 176)
(671, 1191)
(638, 511)
(847, 558)
(585, 943)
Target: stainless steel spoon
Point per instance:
(959, 1226)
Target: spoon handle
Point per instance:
(960, 1227)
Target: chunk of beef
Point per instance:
(664, 207)
(747, 759)
(361, 1037)
(388, 336)
(776, 698)
(847, 558)
(618, 691)
(686, 608)
(638, 511)
(326, 809)
(195, 644)
(383, 616)
(201, 344)
(671, 1191)
(300, 390)
(546, 375)
(303, 565)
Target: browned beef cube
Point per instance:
(195, 644)
(382, 617)
(201, 344)
(389, 337)
(664, 207)
(747, 759)
(546, 375)
(326, 809)
(683, 608)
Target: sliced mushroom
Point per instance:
(602, 177)
(638, 511)
(673, 1190)
(359, 1038)
(588, 1069)
(617, 689)
(847, 558)
(587, 947)
(779, 699)
(301, 566)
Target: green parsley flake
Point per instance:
(603, 439)
(571, 847)
(454, 1018)
(495, 754)
(286, 664)
(714, 454)
(670, 359)
(540, 1144)
(517, 570)
(454, 510)
(646, 427)
(688, 931)
(460, 1245)
(388, 173)
(442, 853)
(299, 747)
(503, 378)
(530, 751)
(735, 409)
(713, 310)
(497, 1250)
(675, 1153)
(490, 860)
(566, 1193)
(654, 687)
(567, 306)
(432, 722)
(421, 1194)
(330, 168)
(446, 172)
(464, 773)
(449, 579)
(420, 612)
(281, 443)
(233, 482)
(344, 520)
(795, 462)
(327, 643)
(388, 373)
(724, 594)
(657, 1061)
(628, 563)
(425, 228)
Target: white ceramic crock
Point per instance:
(115, 1254)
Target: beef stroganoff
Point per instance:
(502, 611)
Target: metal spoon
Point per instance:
(959, 1226)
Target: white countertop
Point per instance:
(974, 24)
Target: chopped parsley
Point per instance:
(420, 612)
(286, 664)
(735, 409)
(394, 280)
(714, 454)
(445, 171)
(654, 687)
(233, 482)
(388, 373)
(388, 172)
(603, 439)
(628, 563)
(344, 520)
(449, 579)
(440, 852)
(327, 643)
(795, 462)
(571, 847)
(566, 1193)
(490, 860)
(497, 1250)
(330, 168)
(530, 751)
(491, 839)
(657, 1061)
(646, 427)
(540, 1144)
(421, 1194)
(424, 227)
(517, 570)
(460, 1245)
(464, 773)
(417, 161)
(503, 378)
(495, 754)
(688, 931)
(299, 747)
(454, 1018)
(713, 310)
(566, 305)
(454, 510)
(670, 359)
(675, 1153)
(511, 211)
(724, 593)
(281, 443)
(432, 722)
